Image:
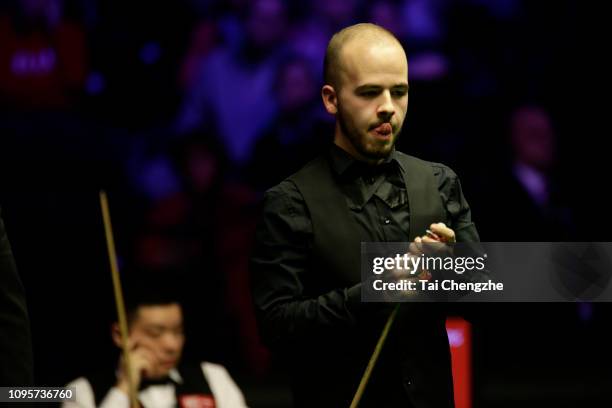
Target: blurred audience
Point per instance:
(233, 91)
(296, 133)
(189, 111)
(43, 57)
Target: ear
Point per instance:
(116, 334)
(330, 99)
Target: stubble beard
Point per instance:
(363, 144)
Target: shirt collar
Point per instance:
(173, 377)
(341, 160)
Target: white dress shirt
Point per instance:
(225, 391)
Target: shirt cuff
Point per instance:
(353, 302)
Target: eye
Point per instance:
(369, 94)
(398, 93)
(154, 333)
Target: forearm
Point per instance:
(290, 300)
(284, 319)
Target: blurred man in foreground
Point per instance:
(15, 342)
(156, 340)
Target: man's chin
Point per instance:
(377, 153)
(379, 148)
(161, 373)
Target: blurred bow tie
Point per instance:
(148, 382)
(367, 170)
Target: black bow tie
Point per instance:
(148, 382)
(368, 170)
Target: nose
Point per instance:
(386, 109)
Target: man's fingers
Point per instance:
(142, 355)
(419, 244)
(414, 248)
(146, 367)
(425, 244)
(146, 354)
(143, 361)
(433, 246)
(445, 233)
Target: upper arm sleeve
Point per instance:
(280, 263)
(456, 206)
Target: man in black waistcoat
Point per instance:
(15, 341)
(163, 378)
(306, 264)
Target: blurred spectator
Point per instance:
(420, 26)
(533, 205)
(43, 61)
(233, 92)
(387, 14)
(203, 41)
(297, 133)
(424, 20)
(315, 25)
(200, 225)
(423, 30)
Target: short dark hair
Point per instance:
(152, 288)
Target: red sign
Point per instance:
(196, 401)
(459, 338)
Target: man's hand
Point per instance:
(443, 233)
(437, 242)
(410, 274)
(142, 362)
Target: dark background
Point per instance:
(186, 113)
